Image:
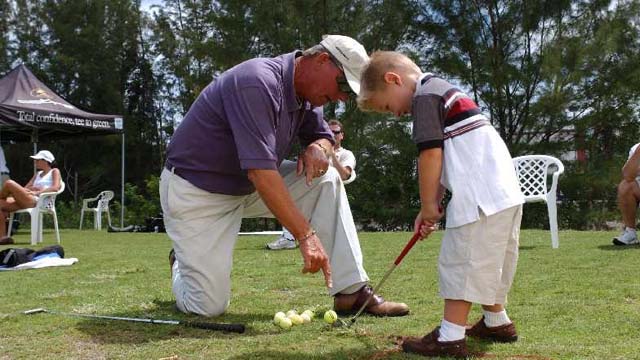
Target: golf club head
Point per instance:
(339, 323)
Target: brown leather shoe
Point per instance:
(430, 346)
(503, 333)
(346, 304)
(7, 240)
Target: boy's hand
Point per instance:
(431, 213)
(422, 227)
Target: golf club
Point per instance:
(404, 252)
(237, 328)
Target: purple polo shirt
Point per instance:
(247, 118)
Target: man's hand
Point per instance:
(315, 258)
(313, 162)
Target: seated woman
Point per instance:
(14, 197)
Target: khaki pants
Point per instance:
(204, 228)
(478, 261)
(3, 179)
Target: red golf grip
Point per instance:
(407, 247)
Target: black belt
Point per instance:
(4, 173)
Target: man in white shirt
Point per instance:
(343, 160)
(628, 198)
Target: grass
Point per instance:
(580, 301)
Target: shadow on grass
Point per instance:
(612, 247)
(477, 348)
(129, 332)
(527, 247)
(338, 354)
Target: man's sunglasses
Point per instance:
(343, 85)
(336, 132)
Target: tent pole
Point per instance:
(34, 140)
(122, 186)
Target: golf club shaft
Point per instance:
(397, 262)
(237, 328)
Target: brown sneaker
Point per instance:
(346, 304)
(430, 346)
(7, 240)
(503, 333)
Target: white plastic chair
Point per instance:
(102, 205)
(46, 205)
(532, 171)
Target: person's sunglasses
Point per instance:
(343, 85)
(336, 132)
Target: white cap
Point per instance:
(45, 155)
(351, 55)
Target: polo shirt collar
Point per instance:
(422, 79)
(287, 80)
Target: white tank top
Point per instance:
(43, 182)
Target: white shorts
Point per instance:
(478, 260)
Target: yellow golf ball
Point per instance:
(330, 317)
(305, 317)
(278, 316)
(285, 323)
(296, 319)
(310, 313)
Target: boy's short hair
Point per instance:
(372, 78)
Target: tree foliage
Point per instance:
(554, 76)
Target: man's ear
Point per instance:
(323, 57)
(392, 78)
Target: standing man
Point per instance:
(628, 198)
(341, 159)
(225, 163)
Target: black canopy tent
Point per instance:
(29, 110)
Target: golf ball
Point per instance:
(330, 317)
(285, 323)
(305, 317)
(291, 312)
(278, 316)
(296, 319)
(309, 313)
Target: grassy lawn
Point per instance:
(581, 301)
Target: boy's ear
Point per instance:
(392, 78)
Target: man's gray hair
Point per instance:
(314, 50)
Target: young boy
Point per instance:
(459, 149)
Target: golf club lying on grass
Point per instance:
(237, 328)
(404, 252)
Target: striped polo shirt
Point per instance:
(477, 167)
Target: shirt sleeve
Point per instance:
(252, 113)
(428, 122)
(347, 159)
(314, 127)
(632, 150)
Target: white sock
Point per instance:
(493, 319)
(450, 331)
(626, 228)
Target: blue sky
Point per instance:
(146, 4)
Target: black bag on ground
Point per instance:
(15, 256)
